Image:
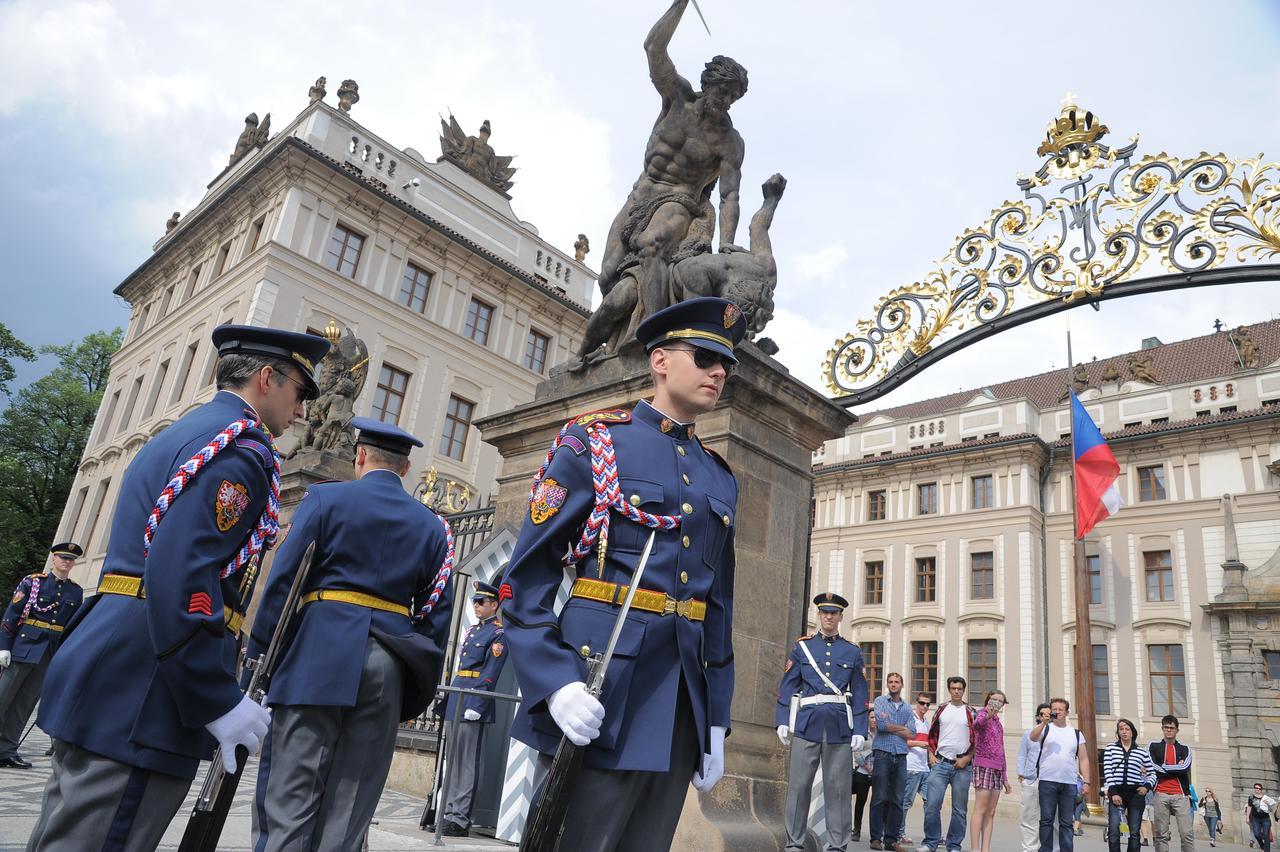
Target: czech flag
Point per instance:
(1096, 470)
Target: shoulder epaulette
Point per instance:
(719, 458)
(610, 416)
(806, 636)
(261, 450)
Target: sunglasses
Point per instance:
(705, 359)
(922, 703)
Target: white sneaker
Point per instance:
(923, 848)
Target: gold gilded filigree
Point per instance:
(1112, 218)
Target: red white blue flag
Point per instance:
(1096, 470)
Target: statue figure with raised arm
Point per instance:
(669, 213)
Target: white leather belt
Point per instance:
(822, 699)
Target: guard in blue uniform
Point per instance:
(481, 655)
(144, 684)
(666, 697)
(367, 652)
(33, 624)
(822, 704)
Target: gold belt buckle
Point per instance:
(671, 606)
(685, 608)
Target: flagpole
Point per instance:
(1083, 655)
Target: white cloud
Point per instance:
(822, 262)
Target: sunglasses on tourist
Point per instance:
(705, 359)
(922, 703)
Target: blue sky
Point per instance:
(896, 125)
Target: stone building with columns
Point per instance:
(947, 523)
(462, 305)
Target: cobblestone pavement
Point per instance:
(397, 817)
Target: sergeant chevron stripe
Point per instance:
(608, 491)
(268, 525)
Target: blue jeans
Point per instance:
(1130, 813)
(888, 779)
(943, 775)
(915, 784)
(1057, 800)
(1211, 823)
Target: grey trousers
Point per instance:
(1177, 808)
(837, 784)
(19, 691)
(323, 768)
(613, 810)
(95, 804)
(461, 778)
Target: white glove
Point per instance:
(712, 764)
(577, 712)
(857, 742)
(243, 725)
(471, 715)
(5, 658)
(784, 734)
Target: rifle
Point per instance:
(204, 826)
(546, 818)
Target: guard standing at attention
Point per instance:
(144, 685)
(668, 688)
(822, 714)
(367, 652)
(481, 656)
(29, 634)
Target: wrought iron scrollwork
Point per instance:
(1090, 217)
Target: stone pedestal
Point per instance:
(766, 426)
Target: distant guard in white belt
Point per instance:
(822, 715)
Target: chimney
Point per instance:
(1151, 343)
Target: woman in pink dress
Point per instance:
(989, 773)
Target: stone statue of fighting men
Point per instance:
(669, 214)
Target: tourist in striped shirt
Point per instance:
(1128, 774)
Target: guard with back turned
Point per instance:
(481, 655)
(32, 627)
(368, 649)
(144, 685)
(667, 692)
(822, 715)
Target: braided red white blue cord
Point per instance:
(608, 492)
(443, 575)
(268, 525)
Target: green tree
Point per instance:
(11, 348)
(43, 433)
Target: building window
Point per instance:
(1227, 409)
(877, 504)
(99, 498)
(457, 421)
(255, 232)
(1168, 680)
(1151, 483)
(111, 412)
(927, 499)
(184, 373)
(1101, 681)
(192, 280)
(224, 254)
(1203, 413)
(132, 400)
(154, 396)
(982, 576)
(982, 492)
(1158, 565)
(982, 667)
(873, 660)
(535, 351)
(924, 668)
(479, 315)
(414, 288)
(167, 300)
(875, 583)
(344, 251)
(926, 580)
(1272, 660)
(1094, 564)
(388, 399)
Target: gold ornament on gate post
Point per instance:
(444, 497)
